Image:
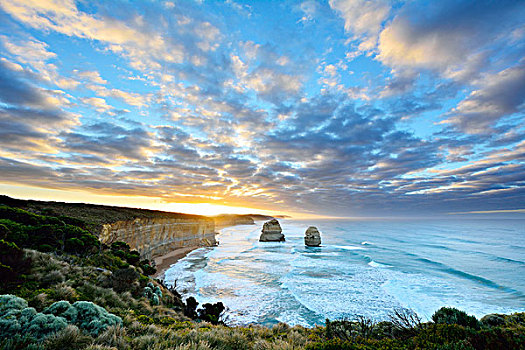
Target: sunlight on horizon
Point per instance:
(141, 202)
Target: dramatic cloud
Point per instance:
(348, 107)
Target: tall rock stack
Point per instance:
(271, 232)
(312, 237)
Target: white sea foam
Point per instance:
(349, 247)
(376, 264)
(267, 282)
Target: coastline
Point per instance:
(163, 262)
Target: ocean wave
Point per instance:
(348, 247)
(508, 260)
(366, 243)
(479, 279)
(376, 264)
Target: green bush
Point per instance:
(147, 268)
(46, 233)
(13, 264)
(123, 279)
(145, 319)
(493, 320)
(119, 245)
(10, 303)
(450, 315)
(85, 315)
(133, 257)
(17, 318)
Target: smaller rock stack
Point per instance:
(271, 232)
(312, 237)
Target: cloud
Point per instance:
(215, 113)
(451, 37)
(30, 116)
(363, 19)
(91, 76)
(99, 104)
(499, 95)
(141, 46)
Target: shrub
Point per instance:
(450, 315)
(211, 312)
(157, 291)
(41, 325)
(114, 336)
(70, 338)
(190, 308)
(341, 329)
(13, 264)
(17, 318)
(493, 320)
(63, 309)
(74, 245)
(84, 314)
(133, 257)
(147, 268)
(122, 279)
(145, 319)
(119, 245)
(10, 303)
(46, 233)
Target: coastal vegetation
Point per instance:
(64, 289)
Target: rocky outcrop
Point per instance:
(312, 237)
(271, 232)
(153, 237)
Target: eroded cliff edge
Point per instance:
(153, 237)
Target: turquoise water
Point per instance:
(362, 268)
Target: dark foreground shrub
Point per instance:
(211, 312)
(13, 264)
(450, 315)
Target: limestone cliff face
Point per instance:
(153, 237)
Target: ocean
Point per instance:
(363, 267)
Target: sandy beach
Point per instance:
(165, 261)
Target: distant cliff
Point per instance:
(225, 220)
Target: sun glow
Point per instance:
(143, 202)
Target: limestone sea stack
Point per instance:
(271, 232)
(312, 237)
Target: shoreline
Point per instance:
(163, 262)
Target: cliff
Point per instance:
(152, 233)
(153, 237)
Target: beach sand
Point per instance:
(165, 261)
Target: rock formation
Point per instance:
(312, 237)
(153, 237)
(271, 232)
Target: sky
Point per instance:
(334, 108)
